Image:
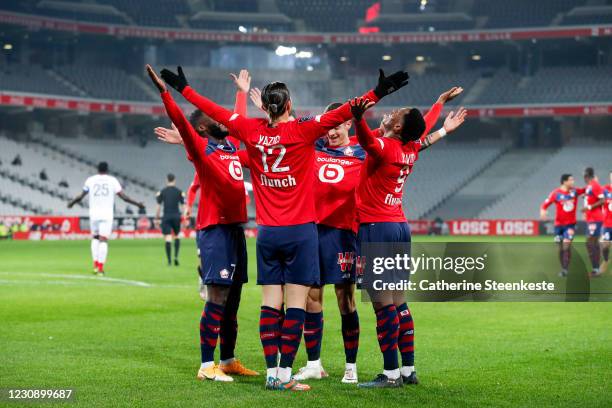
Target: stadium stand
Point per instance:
(424, 89)
(503, 175)
(104, 82)
(49, 195)
(436, 175)
(152, 12)
(554, 84)
(32, 78)
(326, 16)
(524, 200)
(521, 13)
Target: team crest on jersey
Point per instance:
(346, 261)
(348, 151)
(224, 273)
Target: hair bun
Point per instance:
(273, 107)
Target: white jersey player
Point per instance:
(102, 189)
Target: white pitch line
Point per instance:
(91, 278)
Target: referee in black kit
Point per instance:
(172, 199)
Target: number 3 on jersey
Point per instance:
(278, 150)
(404, 172)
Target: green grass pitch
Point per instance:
(121, 343)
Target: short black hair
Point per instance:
(565, 177)
(170, 177)
(332, 106)
(194, 118)
(413, 126)
(274, 98)
(103, 167)
(589, 172)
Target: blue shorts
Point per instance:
(288, 254)
(565, 232)
(607, 235)
(337, 249)
(223, 254)
(594, 229)
(380, 232)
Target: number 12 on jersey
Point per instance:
(271, 151)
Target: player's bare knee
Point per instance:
(314, 302)
(346, 299)
(218, 294)
(168, 238)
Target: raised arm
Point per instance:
(367, 139)
(194, 144)
(229, 119)
(313, 129)
(451, 123)
(243, 83)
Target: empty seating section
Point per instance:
(239, 6)
(423, 90)
(550, 85)
(104, 82)
(58, 168)
(324, 15)
(522, 13)
(162, 13)
(436, 175)
(31, 78)
(525, 199)
(82, 15)
(587, 19)
(150, 163)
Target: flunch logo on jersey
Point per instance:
(346, 261)
(235, 170)
(409, 158)
(331, 173)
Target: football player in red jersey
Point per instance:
(593, 215)
(281, 154)
(389, 161)
(606, 237)
(339, 160)
(565, 198)
(220, 239)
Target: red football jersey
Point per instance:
(591, 196)
(386, 168)
(282, 158)
(218, 169)
(566, 203)
(606, 194)
(337, 175)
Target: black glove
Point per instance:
(358, 107)
(390, 84)
(178, 82)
